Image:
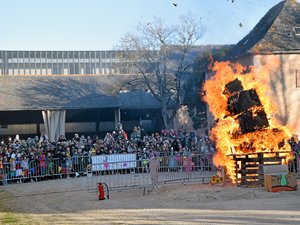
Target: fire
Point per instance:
(243, 127)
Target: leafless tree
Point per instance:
(158, 56)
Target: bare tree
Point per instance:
(158, 56)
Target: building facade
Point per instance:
(275, 41)
(77, 86)
(57, 62)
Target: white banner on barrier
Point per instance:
(113, 162)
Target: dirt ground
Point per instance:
(68, 202)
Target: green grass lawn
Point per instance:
(7, 203)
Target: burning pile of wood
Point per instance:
(238, 99)
(245, 104)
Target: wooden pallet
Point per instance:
(249, 167)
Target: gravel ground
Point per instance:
(67, 201)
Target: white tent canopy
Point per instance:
(54, 121)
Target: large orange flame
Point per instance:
(227, 132)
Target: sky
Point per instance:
(100, 24)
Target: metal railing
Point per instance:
(36, 170)
(119, 171)
(151, 172)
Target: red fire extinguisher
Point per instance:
(101, 192)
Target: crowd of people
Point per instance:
(39, 155)
(16, 155)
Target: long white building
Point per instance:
(57, 62)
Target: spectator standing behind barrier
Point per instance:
(49, 162)
(6, 169)
(76, 161)
(12, 168)
(18, 168)
(172, 161)
(145, 161)
(35, 166)
(42, 163)
(295, 145)
(68, 164)
(24, 166)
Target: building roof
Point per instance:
(43, 92)
(69, 92)
(140, 100)
(274, 33)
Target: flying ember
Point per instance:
(245, 123)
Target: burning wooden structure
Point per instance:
(247, 135)
(245, 104)
(246, 107)
(247, 124)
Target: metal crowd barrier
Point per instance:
(116, 177)
(37, 170)
(184, 168)
(120, 174)
(143, 173)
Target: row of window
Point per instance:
(57, 62)
(58, 54)
(70, 60)
(62, 71)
